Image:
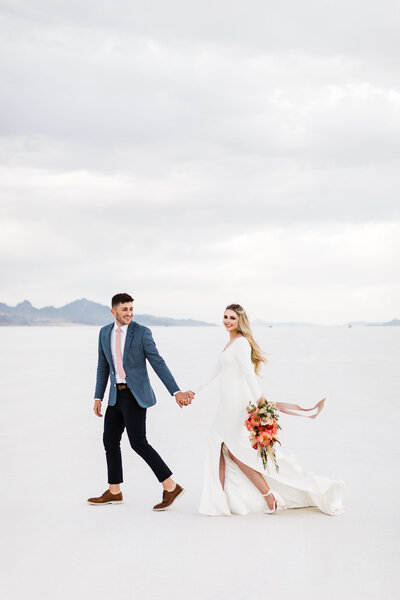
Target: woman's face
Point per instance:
(231, 320)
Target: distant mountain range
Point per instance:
(86, 312)
(260, 323)
(350, 324)
(82, 312)
(395, 322)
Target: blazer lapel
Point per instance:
(129, 338)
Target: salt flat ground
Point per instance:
(54, 546)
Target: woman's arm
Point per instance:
(208, 379)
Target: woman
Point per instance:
(235, 481)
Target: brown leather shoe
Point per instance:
(107, 498)
(169, 498)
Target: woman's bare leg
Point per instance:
(222, 468)
(255, 477)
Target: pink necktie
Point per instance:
(118, 353)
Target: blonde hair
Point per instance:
(257, 357)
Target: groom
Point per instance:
(124, 347)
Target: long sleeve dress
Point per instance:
(292, 486)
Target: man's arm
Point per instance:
(97, 407)
(103, 372)
(161, 369)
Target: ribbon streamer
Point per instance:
(290, 409)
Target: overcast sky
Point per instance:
(200, 153)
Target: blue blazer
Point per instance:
(139, 346)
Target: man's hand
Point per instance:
(97, 408)
(184, 398)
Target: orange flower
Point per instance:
(255, 419)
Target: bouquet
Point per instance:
(262, 423)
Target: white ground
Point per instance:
(54, 546)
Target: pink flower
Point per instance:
(264, 438)
(248, 425)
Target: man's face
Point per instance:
(123, 313)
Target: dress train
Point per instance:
(292, 486)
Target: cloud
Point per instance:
(346, 25)
(196, 155)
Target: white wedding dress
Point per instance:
(291, 486)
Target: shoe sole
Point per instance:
(170, 505)
(103, 503)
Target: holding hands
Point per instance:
(184, 398)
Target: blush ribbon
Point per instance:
(294, 409)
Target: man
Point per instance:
(124, 347)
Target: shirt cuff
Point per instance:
(177, 392)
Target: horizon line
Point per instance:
(264, 322)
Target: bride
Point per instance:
(235, 481)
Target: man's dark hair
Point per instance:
(120, 299)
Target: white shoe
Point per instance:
(268, 510)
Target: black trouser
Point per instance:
(127, 413)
